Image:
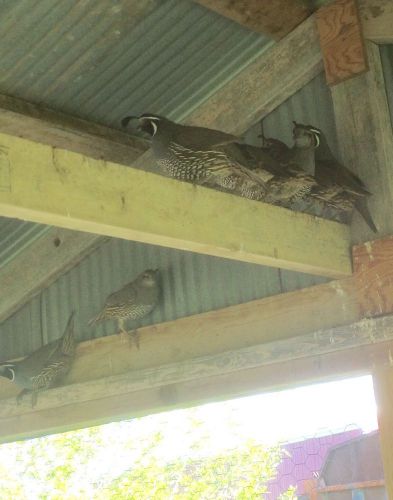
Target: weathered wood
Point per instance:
(37, 123)
(365, 138)
(383, 389)
(377, 20)
(275, 19)
(77, 192)
(341, 41)
(373, 261)
(41, 264)
(138, 392)
(260, 345)
(264, 84)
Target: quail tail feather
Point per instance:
(362, 208)
(97, 319)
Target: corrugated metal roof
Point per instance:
(192, 283)
(100, 60)
(15, 236)
(310, 105)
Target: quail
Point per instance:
(44, 368)
(133, 301)
(336, 185)
(195, 154)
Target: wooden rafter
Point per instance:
(275, 19)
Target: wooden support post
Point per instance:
(341, 41)
(383, 387)
(56, 187)
(377, 20)
(365, 138)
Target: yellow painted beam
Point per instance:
(61, 188)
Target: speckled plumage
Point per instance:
(133, 301)
(45, 367)
(196, 154)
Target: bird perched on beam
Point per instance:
(44, 368)
(133, 301)
(338, 187)
(196, 154)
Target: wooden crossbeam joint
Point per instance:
(341, 41)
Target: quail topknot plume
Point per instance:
(196, 154)
(133, 301)
(44, 368)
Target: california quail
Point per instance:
(45, 367)
(195, 154)
(338, 187)
(133, 301)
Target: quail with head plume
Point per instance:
(195, 154)
(133, 301)
(44, 368)
(338, 187)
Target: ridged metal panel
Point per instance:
(15, 236)
(191, 284)
(387, 65)
(310, 105)
(101, 60)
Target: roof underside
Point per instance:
(108, 59)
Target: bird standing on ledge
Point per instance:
(134, 301)
(45, 367)
(196, 154)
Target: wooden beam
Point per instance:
(264, 84)
(243, 349)
(40, 124)
(230, 374)
(377, 20)
(41, 264)
(341, 41)
(76, 192)
(275, 19)
(383, 388)
(365, 138)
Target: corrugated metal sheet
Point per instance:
(100, 60)
(387, 65)
(15, 236)
(310, 105)
(192, 284)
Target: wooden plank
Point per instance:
(40, 124)
(264, 84)
(341, 41)
(41, 264)
(377, 20)
(229, 374)
(365, 138)
(77, 192)
(383, 389)
(275, 19)
(373, 260)
(243, 349)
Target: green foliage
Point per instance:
(77, 465)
